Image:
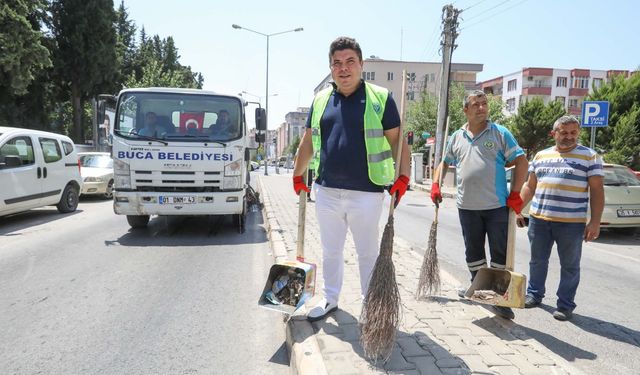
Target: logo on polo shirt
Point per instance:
(376, 107)
(489, 145)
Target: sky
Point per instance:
(503, 35)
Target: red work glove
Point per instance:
(515, 202)
(298, 185)
(399, 188)
(436, 195)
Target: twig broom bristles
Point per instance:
(380, 316)
(429, 281)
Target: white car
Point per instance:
(96, 169)
(37, 169)
(621, 199)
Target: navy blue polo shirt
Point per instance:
(343, 154)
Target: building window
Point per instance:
(432, 77)
(389, 76)
(512, 85)
(597, 83)
(369, 76)
(410, 95)
(561, 99)
(573, 103)
(561, 82)
(580, 82)
(511, 104)
(412, 77)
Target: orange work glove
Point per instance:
(515, 202)
(436, 195)
(399, 188)
(298, 185)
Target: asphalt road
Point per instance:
(604, 335)
(83, 294)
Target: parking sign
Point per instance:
(595, 114)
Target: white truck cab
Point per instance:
(37, 169)
(180, 152)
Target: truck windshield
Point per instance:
(183, 117)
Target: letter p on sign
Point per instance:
(590, 110)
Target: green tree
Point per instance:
(293, 146)
(623, 95)
(422, 114)
(125, 46)
(86, 60)
(625, 145)
(533, 122)
(23, 53)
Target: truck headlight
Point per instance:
(232, 182)
(120, 167)
(122, 182)
(234, 168)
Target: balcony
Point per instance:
(536, 90)
(578, 92)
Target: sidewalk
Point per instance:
(441, 335)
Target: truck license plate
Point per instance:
(177, 200)
(628, 212)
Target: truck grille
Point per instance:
(177, 181)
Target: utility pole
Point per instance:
(449, 34)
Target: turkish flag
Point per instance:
(191, 121)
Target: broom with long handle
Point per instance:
(380, 316)
(429, 280)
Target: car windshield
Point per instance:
(182, 117)
(96, 161)
(619, 176)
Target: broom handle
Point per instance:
(400, 135)
(302, 211)
(444, 151)
(511, 241)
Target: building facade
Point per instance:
(567, 86)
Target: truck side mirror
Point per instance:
(261, 119)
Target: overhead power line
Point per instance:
(493, 15)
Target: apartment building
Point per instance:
(568, 86)
(292, 128)
(421, 76)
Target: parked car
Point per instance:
(37, 169)
(254, 165)
(621, 199)
(96, 169)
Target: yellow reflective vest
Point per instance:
(379, 156)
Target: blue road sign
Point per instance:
(595, 114)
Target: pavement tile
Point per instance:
(520, 361)
(533, 355)
(505, 370)
(410, 347)
(351, 332)
(332, 344)
(455, 371)
(498, 345)
(341, 364)
(489, 357)
(475, 363)
(455, 345)
(426, 365)
(397, 362)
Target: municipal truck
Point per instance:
(179, 152)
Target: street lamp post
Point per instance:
(266, 105)
(243, 93)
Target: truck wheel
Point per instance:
(69, 200)
(108, 194)
(138, 221)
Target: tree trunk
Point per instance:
(76, 103)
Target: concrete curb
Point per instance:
(304, 352)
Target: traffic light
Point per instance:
(409, 138)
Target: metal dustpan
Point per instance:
(501, 287)
(291, 283)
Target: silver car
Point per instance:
(96, 169)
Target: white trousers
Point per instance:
(338, 210)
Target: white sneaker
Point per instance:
(321, 309)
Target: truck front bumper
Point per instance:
(153, 203)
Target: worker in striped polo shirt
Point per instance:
(563, 181)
